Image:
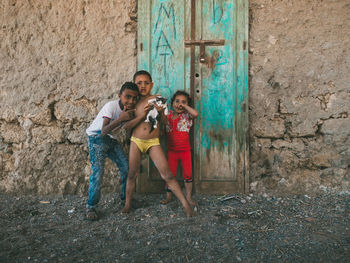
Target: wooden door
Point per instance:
(200, 46)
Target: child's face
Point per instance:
(129, 99)
(178, 103)
(144, 84)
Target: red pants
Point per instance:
(186, 163)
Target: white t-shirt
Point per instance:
(110, 110)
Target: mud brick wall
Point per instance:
(60, 61)
(299, 95)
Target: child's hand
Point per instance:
(131, 113)
(159, 108)
(190, 110)
(183, 106)
(147, 108)
(127, 115)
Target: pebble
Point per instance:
(254, 229)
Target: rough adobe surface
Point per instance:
(299, 95)
(60, 61)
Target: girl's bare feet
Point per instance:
(167, 200)
(188, 187)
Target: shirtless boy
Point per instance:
(144, 141)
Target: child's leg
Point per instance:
(118, 156)
(188, 187)
(97, 150)
(134, 164)
(173, 162)
(158, 158)
(168, 198)
(186, 163)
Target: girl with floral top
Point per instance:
(180, 121)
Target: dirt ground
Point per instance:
(235, 228)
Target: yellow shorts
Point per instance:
(144, 145)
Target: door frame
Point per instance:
(241, 117)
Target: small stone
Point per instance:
(323, 188)
(310, 219)
(282, 181)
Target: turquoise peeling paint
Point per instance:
(242, 94)
(220, 17)
(222, 86)
(218, 102)
(218, 98)
(207, 142)
(166, 53)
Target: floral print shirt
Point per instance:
(178, 132)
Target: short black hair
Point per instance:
(142, 72)
(183, 93)
(129, 85)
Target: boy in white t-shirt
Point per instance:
(102, 145)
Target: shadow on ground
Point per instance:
(235, 228)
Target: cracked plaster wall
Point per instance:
(60, 61)
(299, 96)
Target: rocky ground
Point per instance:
(235, 228)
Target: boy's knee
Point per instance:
(167, 176)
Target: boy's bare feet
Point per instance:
(126, 209)
(91, 214)
(167, 200)
(135, 204)
(191, 202)
(189, 212)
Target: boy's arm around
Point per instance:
(134, 122)
(109, 125)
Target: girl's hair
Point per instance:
(183, 93)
